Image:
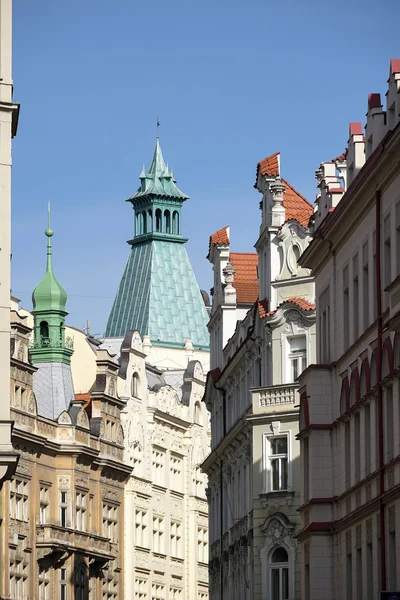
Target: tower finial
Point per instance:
(49, 232)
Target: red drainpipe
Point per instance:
(380, 391)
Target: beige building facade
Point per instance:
(349, 410)
(262, 328)
(8, 129)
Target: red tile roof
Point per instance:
(263, 306)
(245, 282)
(296, 206)
(374, 101)
(268, 166)
(355, 128)
(395, 65)
(219, 237)
(302, 303)
(341, 157)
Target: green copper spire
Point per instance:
(49, 300)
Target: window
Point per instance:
(63, 584)
(135, 385)
(386, 258)
(198, 482)
(197, 413)
(44, 585)
(176, 539)
(349, 577)
(359, 574)
(297, 356)
(158, 467)
(81, 505)
(137, 459)
(374, 274)
(63, 508)
(110, 521)
(19, 499)
(356, 298)
(365, 291)
(141, 528)
(141, 586)
(357, 455)
(18, 577)
(278, 463)
(306, 469)
(175, 470)
(347, 451)
(324, 326)
(202, 545)
(175, 594)
(110, 587)
(279, 576)
(158, 592)
(367, 439)
(158, 535)
(80, 583)
(346, 309)
(389, 422)
(44, 504)
(392, 554)
(370, 571)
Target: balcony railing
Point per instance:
(275, 397)
(53, 342)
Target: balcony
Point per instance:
(55, 541)
(275, 398)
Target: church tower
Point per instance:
(51, 351)
(158, 294)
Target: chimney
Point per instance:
(355, 152)
(375, 128)
(393, 94)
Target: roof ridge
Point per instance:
(285, 181)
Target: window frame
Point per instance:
(267, 470)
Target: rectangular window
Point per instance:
(306, 469)
(141, 528)
(44, 585)
(141, 587)
(176, 594)
(44, 504)
(63, 508)
(176, 539)
(347, 450)
(365, 291)
(392, 561)
(349, 577)
(175, 470)
(359, 574)
(387, 267)
(346, 309)
(81, 506)
(18, 580)
(367, 439)
(110, 521)
(158, 462)
(297, 356)
(19, 499)
(370, 571)
(357, 441)
(356, 298)
(374, 275)
(158, 592)
(63, 584)
(202, 545)
(278, 463)
(307, 583)
(389, 422)
(158, 535)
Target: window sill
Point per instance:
(276, 499)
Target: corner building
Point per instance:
(262, 328)
(349, 407)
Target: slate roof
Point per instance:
(53, 388)
(159, 296)
(245, 281)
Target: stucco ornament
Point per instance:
(137, 342)
(278, 531)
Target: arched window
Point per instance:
(197, 413)
(81, 583)
(135, 385)
(144, 221)
(373, 375)
(175, 222)
(344, 396)
(44, 333)
(167, 221)
(158, 220)
(279, 574)
(150, 221)
(139, 224)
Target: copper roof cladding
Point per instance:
(296, 206)
(245, 282)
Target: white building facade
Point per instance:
(350, 410)
(262, 328)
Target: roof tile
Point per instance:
(395, 65)
(296, 206)
(245, 282)
(268, 166)
(302, 303)
(219, 237)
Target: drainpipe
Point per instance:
(380, 391)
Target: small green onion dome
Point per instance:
(49, 294)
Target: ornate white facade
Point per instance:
(350, 409)
(262, 329)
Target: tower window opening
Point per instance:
(175, 222)
(167, 221)
(150, 220)
(44, 332)
(158, 220)
(144, 222)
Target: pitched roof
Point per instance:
(219, 237)
(296, 206)
(340, 158)
(355, 128)
(263, 306)
(395, 65)
(245, 282)
(268, 166)
(301, 303)
(374, 101)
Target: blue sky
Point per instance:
(232, 81)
